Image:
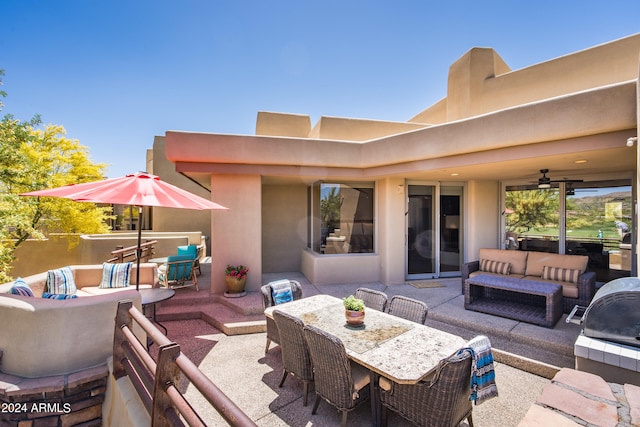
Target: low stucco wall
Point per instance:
(44, 337)
(331, 269)
(34, 256)
(122, 406)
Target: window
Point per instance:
(592, 218)
(342, 219)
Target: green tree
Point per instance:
(531, 209)
(34, 157)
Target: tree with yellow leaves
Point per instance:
(34, 157)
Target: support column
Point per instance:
(236, 234)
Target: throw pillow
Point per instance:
(560, 274)
(492, 266)
(281, 291)
(48, 295)
(20, 287)
(61, 281)
(115, 275)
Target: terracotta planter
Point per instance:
(235, 285)
(354, 318)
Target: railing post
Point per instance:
(167, 374)
(123, 318)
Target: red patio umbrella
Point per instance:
(138, 189)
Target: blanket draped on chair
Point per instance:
(483, 384)
(281, 291)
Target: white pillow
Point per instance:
(115, 275)
(61, 281)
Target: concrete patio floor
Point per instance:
(225, 338)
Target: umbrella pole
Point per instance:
(139, 248)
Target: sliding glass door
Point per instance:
(434, 232)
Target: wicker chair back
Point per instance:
(408, 308)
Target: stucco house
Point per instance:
(351, 200)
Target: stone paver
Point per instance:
(585, 381)
(599, 413)
(632, 393)
(537, 416)
(586, 399)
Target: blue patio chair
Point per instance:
(178, 272)
(193, 251)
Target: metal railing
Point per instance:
(156, 383)
(122, 254)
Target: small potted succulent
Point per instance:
(235, 278)
(353, 310)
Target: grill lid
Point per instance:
(614, 313)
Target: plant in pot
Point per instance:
(353, 310)
(235, 278)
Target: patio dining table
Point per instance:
(398, 349)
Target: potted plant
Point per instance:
(353, 310)
(235, 278)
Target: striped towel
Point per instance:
(281, 291)
(483, 377)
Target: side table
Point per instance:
(152, 296)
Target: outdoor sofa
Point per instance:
(568, 271)
(45, 337)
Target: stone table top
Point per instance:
(395, 348)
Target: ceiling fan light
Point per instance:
(544, 185)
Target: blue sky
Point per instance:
(116, 73)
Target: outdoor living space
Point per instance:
(527, 356)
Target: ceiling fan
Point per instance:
(545, 182)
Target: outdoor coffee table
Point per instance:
(530, 301)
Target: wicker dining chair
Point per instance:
(267, 301)
(408, 308)
(295, 353)
(376, 300)
(439, 401)
(337, 380)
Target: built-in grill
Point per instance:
(609, 344)
(614, 312)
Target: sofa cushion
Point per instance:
(20, 287)
(517, 259)
(115, 275)
(537, 260)
(569, 289)
(560, 274)
(61, 281)
(492, 266)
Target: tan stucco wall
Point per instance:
(33, 256)
(168, 219)
(480, 81)
(236, 236)
(282, 124)
(340, 128)
(122, 406)
(482, 220)
(332, 269)
(284, 227)
(391, 229)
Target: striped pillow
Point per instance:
(115, 275)
(491, 266)
(20, 287)
(560, 274)
(47, 295)
(61, 281)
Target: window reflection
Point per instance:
(597, 215)
(343, 217)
